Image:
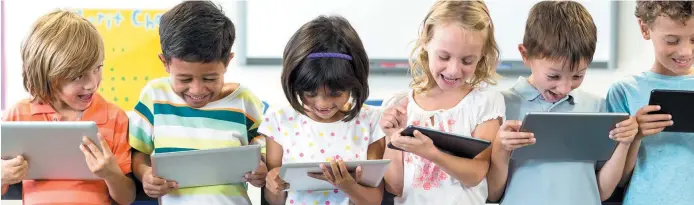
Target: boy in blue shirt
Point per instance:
(659, 164)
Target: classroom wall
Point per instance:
(634, 53)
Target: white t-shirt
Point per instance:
(427, 183)
(305, 140)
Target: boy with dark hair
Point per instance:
(194, 108)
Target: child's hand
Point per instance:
(338, 175)
(420, 144)
(156, 187)
(273, 182)
(625, 131)
(100, 162)
(257, 177)
(511, 138)
(394, 118)
(650, 124)
(14, 170)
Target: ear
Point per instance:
(524, 54)
(645, 30)
(163, 61)
(231, 56)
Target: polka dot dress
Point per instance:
(305, 140)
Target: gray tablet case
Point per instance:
(206, 167)
(569, 136)
(296, 174)
(51, 148)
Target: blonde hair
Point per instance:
(61, 46)
(470, 15)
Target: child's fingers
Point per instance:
(88, 155)
(511, 125)
(653, 118)
(335, 170)
(326, 173)
(343, 169)
(647, 109)
(656, 125)
(516, 142)
(517, 135)
(626, 123)
(106, 149)
(317, 176)
(92, 147)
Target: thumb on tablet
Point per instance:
(511, 125)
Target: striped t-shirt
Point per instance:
(162, 122)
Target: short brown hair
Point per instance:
(300, 73)
(680, 11)
(61, 46)
(560, 30)
(470, 15)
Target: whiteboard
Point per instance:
(388, 28)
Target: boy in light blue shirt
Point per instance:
(559, 43)
(661, 162)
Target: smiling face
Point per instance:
(554, 79)
(324, 105)
(77, 94)
(673, 43)
(197, 83)
(453, 55)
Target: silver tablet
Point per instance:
(296, 174)
(51, 148)
(569, 136)
(206, 167)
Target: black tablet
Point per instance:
(457, 145)
(679, 104)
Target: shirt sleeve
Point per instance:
(141, 121)
(120, 147)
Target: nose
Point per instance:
(564, 87)
(196, 87)
(454, 67)
(93, 82)
(686, 51)
(322, 102)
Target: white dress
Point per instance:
(305, 140)
(424, 181)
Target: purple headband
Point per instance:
(329, 55)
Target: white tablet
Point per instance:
(569, 136)
(296, 174)
(50, 147)
(206, 167)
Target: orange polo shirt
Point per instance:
(113, 126)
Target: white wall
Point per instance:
(400, 19)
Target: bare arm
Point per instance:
(121, 189)
(394, 175)
(274, 161)
(5, 187)
(141, 164)
(367, 195)
(611, 173)
(630, 161)
(498, 171)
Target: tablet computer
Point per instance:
(50, 147)
(677, 103)
(296, 174)
(206, 167)
(569, 136)
(458, 145)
